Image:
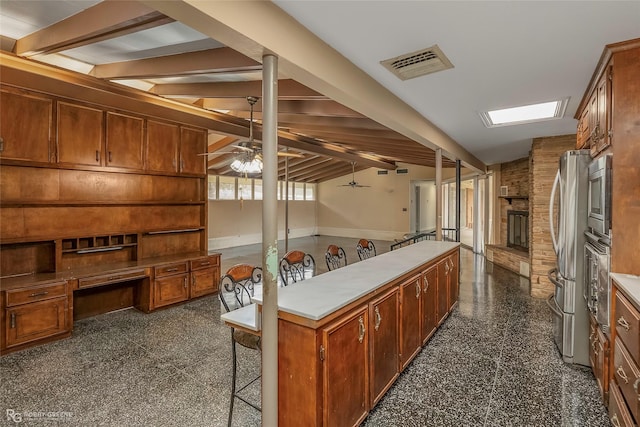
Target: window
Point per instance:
(213, 187)
(244, 189)
(226, 188)
(309, 191)
(257, 189)
(525, 113)
(298, 190)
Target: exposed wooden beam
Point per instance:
(106, 20)
(220, 60)
(287, 89)
(220, 144)
(317, 107)
(335, 170)
(329, 131)
(288, 120)
(306, 165)
(249, 28)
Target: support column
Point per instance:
(269, 241)
(458, 167)
(439, 194)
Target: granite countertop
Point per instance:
(630, 286)
(321, 295)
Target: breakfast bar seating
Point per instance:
(366, 249)
(379, 312)
(335, 257)
(295, 266)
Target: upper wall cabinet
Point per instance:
(162, 144)
(25, 123)
(124, 142)
(80, 134)
(192, 143)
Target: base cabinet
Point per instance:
(35, 313)
(410, 337)
(429, 303)
(333, 371)
(345, 370)
(383, 327)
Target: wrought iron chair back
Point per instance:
(296, 266)
(335, 257)
(366, 249)
(237, 286)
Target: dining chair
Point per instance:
(236, 289)
(296, 266)
(366, 249)
(335, 257)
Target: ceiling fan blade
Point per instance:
(289, 154)
(242, 147)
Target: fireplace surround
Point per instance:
(518, 230)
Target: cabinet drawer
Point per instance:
(618, 412)
(206, 262)
(105, 279)
(627, 321)
(30, 322)
(22, 296)
(170, 269)
(628, 378)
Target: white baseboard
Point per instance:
(250, 239)
(361, 233)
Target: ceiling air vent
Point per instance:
(383, 172)
(419, 63)
(401, 171)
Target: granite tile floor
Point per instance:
(492, 363)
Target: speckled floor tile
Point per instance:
(492, 363)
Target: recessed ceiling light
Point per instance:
(525, 113)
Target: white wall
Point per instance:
(427, 206)
(381, 211)
(236, 223)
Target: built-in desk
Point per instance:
(345, 335)
(38, 308)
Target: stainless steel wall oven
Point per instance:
(597, 289)
(599, 206)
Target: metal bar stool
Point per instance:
(236, 289)
(366, 249)
(335, 257)
(295, 266)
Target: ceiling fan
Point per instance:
(353, 183)
(250, 147)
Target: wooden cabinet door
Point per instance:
(203, 282)
(30, 322)
(80, 134)
(583, 130)
(345, 370)
(443, 291)
(124, 141)
(410, 300)
(162, 144)
(192, 143)
(602, 362)
(25, 126)
(429, 307)
(170, 290)
(383, 324)
(453, 282)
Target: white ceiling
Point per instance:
(505, 53)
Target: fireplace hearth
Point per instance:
(518, 230)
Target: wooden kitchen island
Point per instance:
(345, 336)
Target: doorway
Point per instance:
(423, 206)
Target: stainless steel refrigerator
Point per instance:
(568, 220)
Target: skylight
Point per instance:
(525, 113)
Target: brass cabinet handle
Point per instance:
(446, 268)
(361, 329)
(204, 263)
(193, 280)
(426, 285)
(169, 270)
(13, 321)
(39, 294)
(417, 289)
(635, 387)
(623, 322)
(185, 282)
(622, 374)
(614, 420)
(110, 157)
(378, 319)
(97, 156)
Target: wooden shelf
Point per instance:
(510, 198)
